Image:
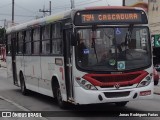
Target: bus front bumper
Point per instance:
(83, 96)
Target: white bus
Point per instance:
(84, 56)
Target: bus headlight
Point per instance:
(85, 84)
(145, 82)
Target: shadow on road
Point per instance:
(93, 107)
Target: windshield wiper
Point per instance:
(128, 35)
(94, 46)
(93, 40)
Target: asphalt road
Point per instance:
(38, 102)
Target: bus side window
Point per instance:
(36, 40)
(28, 42)
(56, 39)
(46, 39)
(17, 43)
(9, 44)
(20, 43)
(24, 44)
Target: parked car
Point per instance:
(157, 67)
(156, 76)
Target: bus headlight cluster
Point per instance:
(145, 82)
(86, 85)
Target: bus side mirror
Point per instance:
(73, 39)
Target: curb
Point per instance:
(23, 109)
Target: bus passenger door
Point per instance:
(13, 54)
(68, 63)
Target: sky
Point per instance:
(26, 10)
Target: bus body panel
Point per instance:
(36, 78)
(20, 66)
(45, 86)
(32, 72)
(49, 70)
(9, 68)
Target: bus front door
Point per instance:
(14, 70)
(68, 66)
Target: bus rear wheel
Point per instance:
(121, 104)
(23, 85)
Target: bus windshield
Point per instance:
(113, 48)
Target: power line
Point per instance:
(2, 6)
(83, 1)
(107, 3)
(68, 7)
(88, 3)
(77, 4)
(6, 14)
(25, 8)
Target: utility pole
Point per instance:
(123, 4)
(72, 4)
(44, 11)
(50, 12)
(12, 12)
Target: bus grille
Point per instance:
(110, 80)
(116, 94)
(116, 78)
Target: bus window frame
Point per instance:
(90, 27)
(33, 41)
(28, 41)
(22, 42)
(57, 38)
(48, 39)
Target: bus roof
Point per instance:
(60, 16)
(40, 22)
(113, 7)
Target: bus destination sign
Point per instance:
(116, 17)
(92, 17)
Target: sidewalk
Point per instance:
(8, 109)
(3, 64)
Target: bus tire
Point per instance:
(62, 104)
(24, 91)
(57, 93)
(156, 82)
(121, 104)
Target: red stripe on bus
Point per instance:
(91, 78)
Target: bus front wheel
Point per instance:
(61, 103)
(23, 85)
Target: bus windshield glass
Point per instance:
(113, 48)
